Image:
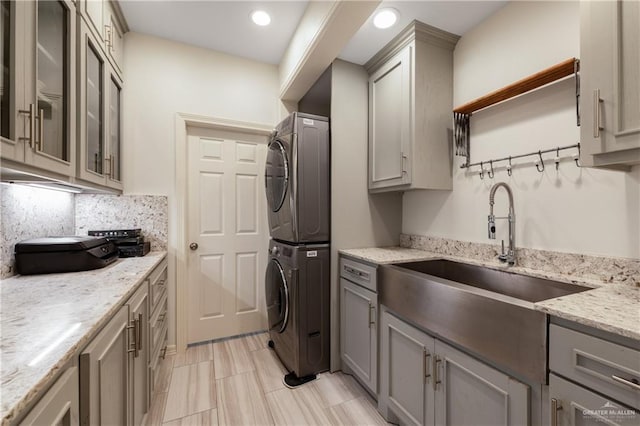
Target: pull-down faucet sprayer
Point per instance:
(510, 256)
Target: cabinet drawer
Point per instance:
(359, 273)
(157, 355)
(605, 367)
(157, 284)
(158, 322)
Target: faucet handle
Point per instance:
(503, 256)
(492, 228)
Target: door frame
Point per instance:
(184, 120)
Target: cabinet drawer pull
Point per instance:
(597, 125)
(31, 112)
(436, 381)
(139, 335)
(40, 142)
(624, 381)
(107, 35)
(132, 347)
(555, 407)
(372, 315)
(425, 364)
(108, 168)
(358, 273)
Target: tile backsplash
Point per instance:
(599, 269)
(100, 212)
(29, 212)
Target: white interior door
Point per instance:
(227, 233)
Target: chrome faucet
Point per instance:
(510, 256)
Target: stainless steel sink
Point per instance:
(489, 312)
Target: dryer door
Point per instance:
(277, 293)
(276, 175)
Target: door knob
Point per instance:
(193, 246)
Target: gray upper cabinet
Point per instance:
(425, 381)
(410, 101)
(389, 122)
(104, 23)
(39, 112)
(100, 114)
(610, 80)
(62, 74)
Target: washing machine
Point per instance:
(298, 178)
(297, 294)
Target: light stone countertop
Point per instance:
(47, 319)
(614, 308)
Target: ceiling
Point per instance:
(225, 25)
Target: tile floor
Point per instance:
(239, 382)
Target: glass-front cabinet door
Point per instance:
(99, 103)
(114, 173)
(49, 109)
(12, 147)
(92, 99)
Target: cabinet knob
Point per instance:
(193, 246)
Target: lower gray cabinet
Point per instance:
(59, 406)
(359, 332)
(469, 392)
(114, 368)
(406, 379)
(573, 405)
(424, 381)
(607, 374)
(139, 360)
(104, 380)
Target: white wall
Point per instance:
(163, 78)
(577, 210)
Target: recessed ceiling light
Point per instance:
(385, 18)
(260, 17)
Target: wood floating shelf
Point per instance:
(563, 69)
(462, 114)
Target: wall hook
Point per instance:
(481, 171)
(576, 157)
(490, 172)
(539, 163)
(509, 167)
(557, 159)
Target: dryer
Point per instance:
(297, 179)
(298, 293)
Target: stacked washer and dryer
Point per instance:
(297, 179)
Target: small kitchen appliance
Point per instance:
(129, 242)
(63, 254)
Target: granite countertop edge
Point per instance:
(607, 315)
(41, 385)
